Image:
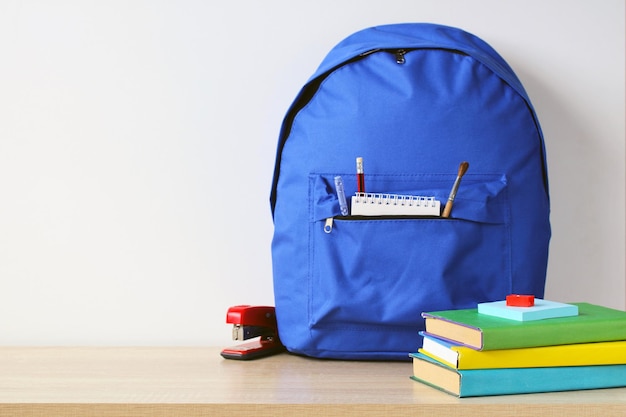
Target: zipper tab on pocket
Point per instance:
(400, 56)
(328, 226)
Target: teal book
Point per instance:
(486, 382)
(593, 323)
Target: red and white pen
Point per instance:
(360, 175)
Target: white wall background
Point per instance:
(137, 143)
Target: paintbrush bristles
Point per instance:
(463, 168)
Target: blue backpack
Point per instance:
(413, 101)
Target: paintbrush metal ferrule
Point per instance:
(455, 188)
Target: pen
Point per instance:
(343, 204)
(462, 170)
(360, 176)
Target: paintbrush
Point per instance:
(462, 170)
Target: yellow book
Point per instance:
(582, 354)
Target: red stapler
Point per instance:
(249, 322)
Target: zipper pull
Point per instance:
(328, 227)
(400, 56)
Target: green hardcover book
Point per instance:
(593, 323)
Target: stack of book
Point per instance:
(467, 353)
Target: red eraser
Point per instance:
(518, 300)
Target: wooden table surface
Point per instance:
(196, 381)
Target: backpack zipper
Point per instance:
(328, 226)
(398, 53)
(400, 56)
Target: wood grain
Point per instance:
(163, 381)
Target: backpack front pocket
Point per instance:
(374, 273)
